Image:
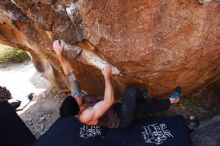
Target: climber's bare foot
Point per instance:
(175, 96)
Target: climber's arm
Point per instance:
(58, 49)
(91, 115)
(67, 68)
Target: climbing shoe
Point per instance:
(175, 96)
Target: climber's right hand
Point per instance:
(58, 47)
(107, 72)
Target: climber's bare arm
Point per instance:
(58, 49)
(91, 115)
(67, 68)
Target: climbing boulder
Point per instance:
(207, 134)
(155, 44)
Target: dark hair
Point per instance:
(69, 107)
(4, 93)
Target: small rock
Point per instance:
(41, 127)
(43, 118)
(30, 119)
(191, 117)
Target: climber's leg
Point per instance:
(128, 105)
(152, 106)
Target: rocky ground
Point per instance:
(42, 112)
(208, 133)
(203, 104)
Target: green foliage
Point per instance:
(188, 101)
(9, 54)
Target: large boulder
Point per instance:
(207, 134)
(157, 44)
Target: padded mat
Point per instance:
(13, 131)
(169, 131)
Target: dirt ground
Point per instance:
(42, 112)
(22, 79)
(203, 104)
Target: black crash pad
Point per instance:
(13, 131)
(169, 131)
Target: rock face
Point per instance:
(4, 93)
(156, 44)
(207, 134)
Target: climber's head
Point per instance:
(4, 93)
(69, 107)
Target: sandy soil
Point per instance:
(22, 79)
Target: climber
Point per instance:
(107, 113)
